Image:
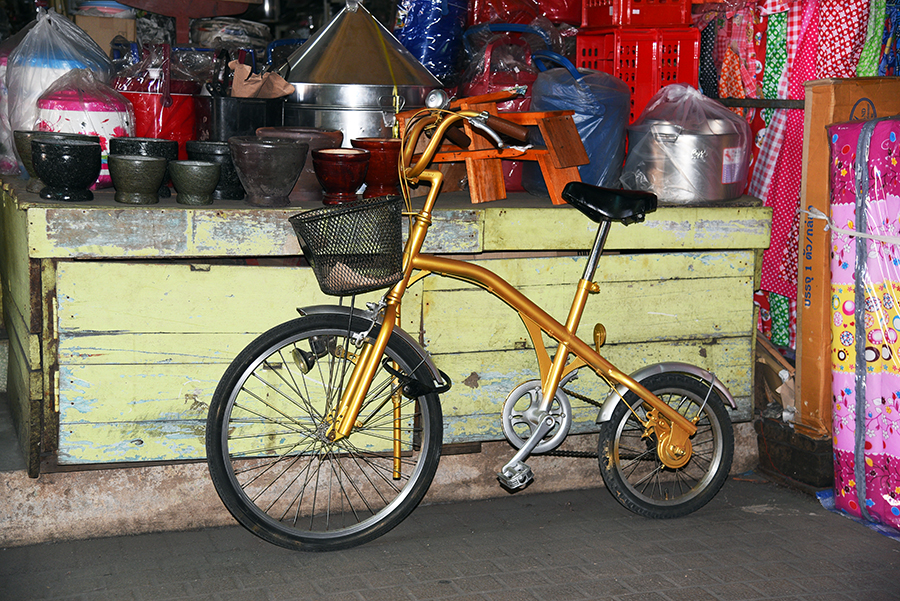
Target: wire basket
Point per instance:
(355, 247)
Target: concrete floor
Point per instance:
(10, 455)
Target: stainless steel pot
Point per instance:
(684, 166)
(359, 111)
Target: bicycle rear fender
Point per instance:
(687, 369)
(405, 337)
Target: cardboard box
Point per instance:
(103, 29)
(828, 101)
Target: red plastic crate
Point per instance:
(645, 59)
(635, 13)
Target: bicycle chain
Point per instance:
(577, 454)
(581, 397)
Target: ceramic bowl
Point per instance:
(22, 140)
(268, 168)
(137, 178)
(148, 147)
(307, 187)
(229, 187)
(195, 181)
(341, 171)
(382, 176)
(67, 167)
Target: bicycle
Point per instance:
(325, 432)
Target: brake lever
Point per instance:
(480, 122)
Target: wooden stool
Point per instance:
(558, 160)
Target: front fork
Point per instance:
(347, 411)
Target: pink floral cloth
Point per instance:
(866, 318)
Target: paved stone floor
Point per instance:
(756, 540)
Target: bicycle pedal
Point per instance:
(515, 476)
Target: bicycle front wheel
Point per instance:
(631, 468)
(269, 455)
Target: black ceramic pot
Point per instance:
(148, 147)
(137, 178)
(229, 187)
(67, 167)
(22, 140)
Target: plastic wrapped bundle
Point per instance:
(52, 48)
(432, 32)
(687, 148)
(601, 103)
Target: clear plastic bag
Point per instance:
(687, 148)
(9, 165)
(52, 48)
(78, 103)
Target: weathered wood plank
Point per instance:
(667, 228)
(154, 297)
(463, 321)
(483, 379)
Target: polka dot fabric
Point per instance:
(843, 25)
(779, 269)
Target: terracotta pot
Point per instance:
(382, 178)
(307, 187)
(340, 171)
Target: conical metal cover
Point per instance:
(354, 48)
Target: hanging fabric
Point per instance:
(784, 195)
(871, 52)
(843, 25)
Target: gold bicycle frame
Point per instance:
(676, 432)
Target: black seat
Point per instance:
(606, 204)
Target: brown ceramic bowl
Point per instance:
(341, 171)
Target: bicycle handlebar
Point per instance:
(491, 125)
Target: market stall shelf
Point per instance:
(122, 318)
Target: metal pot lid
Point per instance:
(354, 48)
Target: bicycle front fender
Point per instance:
(404, 336)
(687, 369)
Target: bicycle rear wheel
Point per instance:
(271, 461)
(634, 473)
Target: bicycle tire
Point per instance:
(268, 456)
(636, 476)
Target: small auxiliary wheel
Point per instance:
(629, 456)
(520, 415)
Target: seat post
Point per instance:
(596, 251)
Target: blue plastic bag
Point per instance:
(432, 31)
(601, 103)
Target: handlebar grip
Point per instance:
(458, 137)
(507, 128)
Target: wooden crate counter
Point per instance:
(121, 318)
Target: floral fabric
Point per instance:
(866, 319)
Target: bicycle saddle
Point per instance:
(606, 204)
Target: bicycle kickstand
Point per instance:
(516, 474)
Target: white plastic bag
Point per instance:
(687, 148)
(52, 48)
